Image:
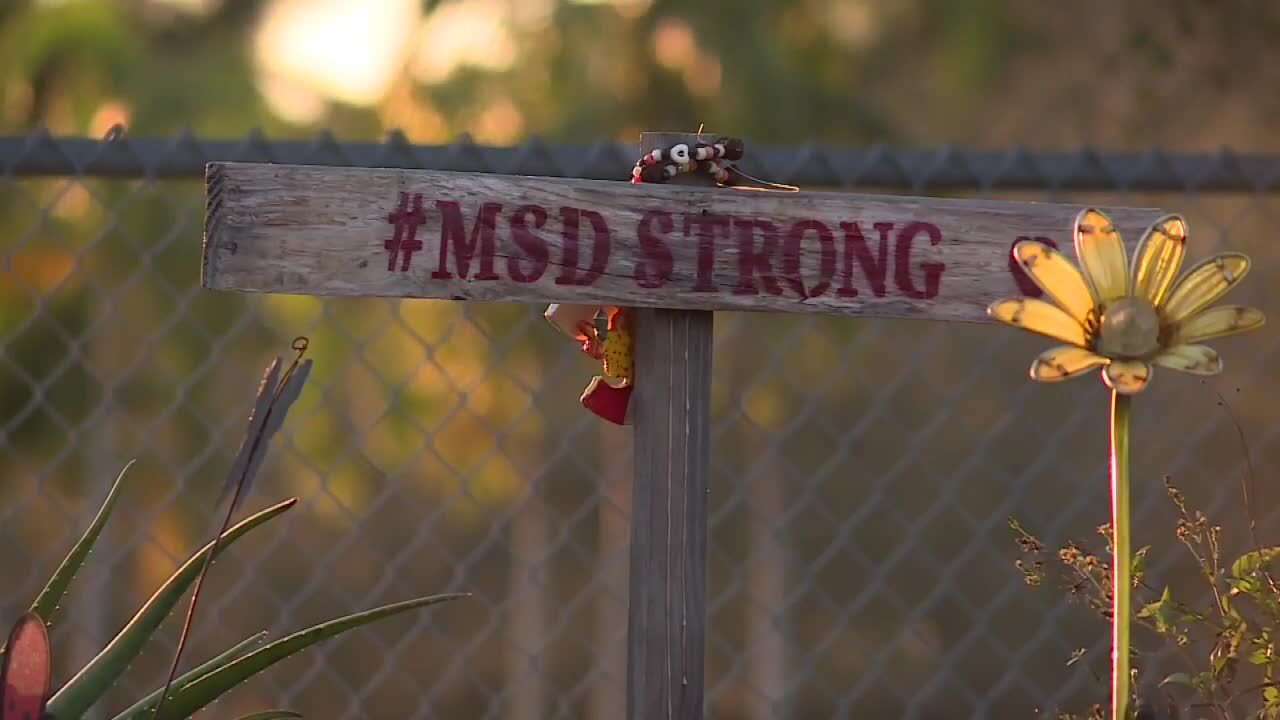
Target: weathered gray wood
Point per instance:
(667, 614)
(326, 231)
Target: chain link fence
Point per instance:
(863, 470)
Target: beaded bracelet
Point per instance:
(662, 164)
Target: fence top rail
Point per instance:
(877, 166)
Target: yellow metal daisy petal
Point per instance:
(1064, 362)
(1194, 359)
(1217, 322)
(1126, 376)
(1209, 280)
(1058, 277)
(1158, 258)
(1040, 317)
(1102, 256)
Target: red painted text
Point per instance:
(694, 252)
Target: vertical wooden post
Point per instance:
(667, 616)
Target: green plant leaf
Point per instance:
(189, 700)
(1164, 612)
(146, 704)
(94, 679)
(1140, 560)
(1251, 562)
(272, 715)
(46, 603)
(1178, 678)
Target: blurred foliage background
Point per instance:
(863, 470)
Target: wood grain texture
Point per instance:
(667, 613)
(328, 231)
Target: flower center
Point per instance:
(1130, 328)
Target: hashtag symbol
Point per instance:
(404, 237)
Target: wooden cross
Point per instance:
(672, 251)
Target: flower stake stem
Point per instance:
(1121, 566)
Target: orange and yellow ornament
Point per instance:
(605, 334)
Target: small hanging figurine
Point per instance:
(605, 333)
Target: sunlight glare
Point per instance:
(853, 23)
(462, 33)
(199, 8)
(339, 50)
(108, 114)
(674, 46)
(290, 100)
(500, 123)
(627, 8)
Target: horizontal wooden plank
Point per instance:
(475, 236)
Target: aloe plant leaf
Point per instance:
(46, 604)
(24, 675)
(94, 679)
(191, 699)
(146, 704)
(272, 715)
(47, 601)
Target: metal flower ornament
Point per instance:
(1125, 319)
